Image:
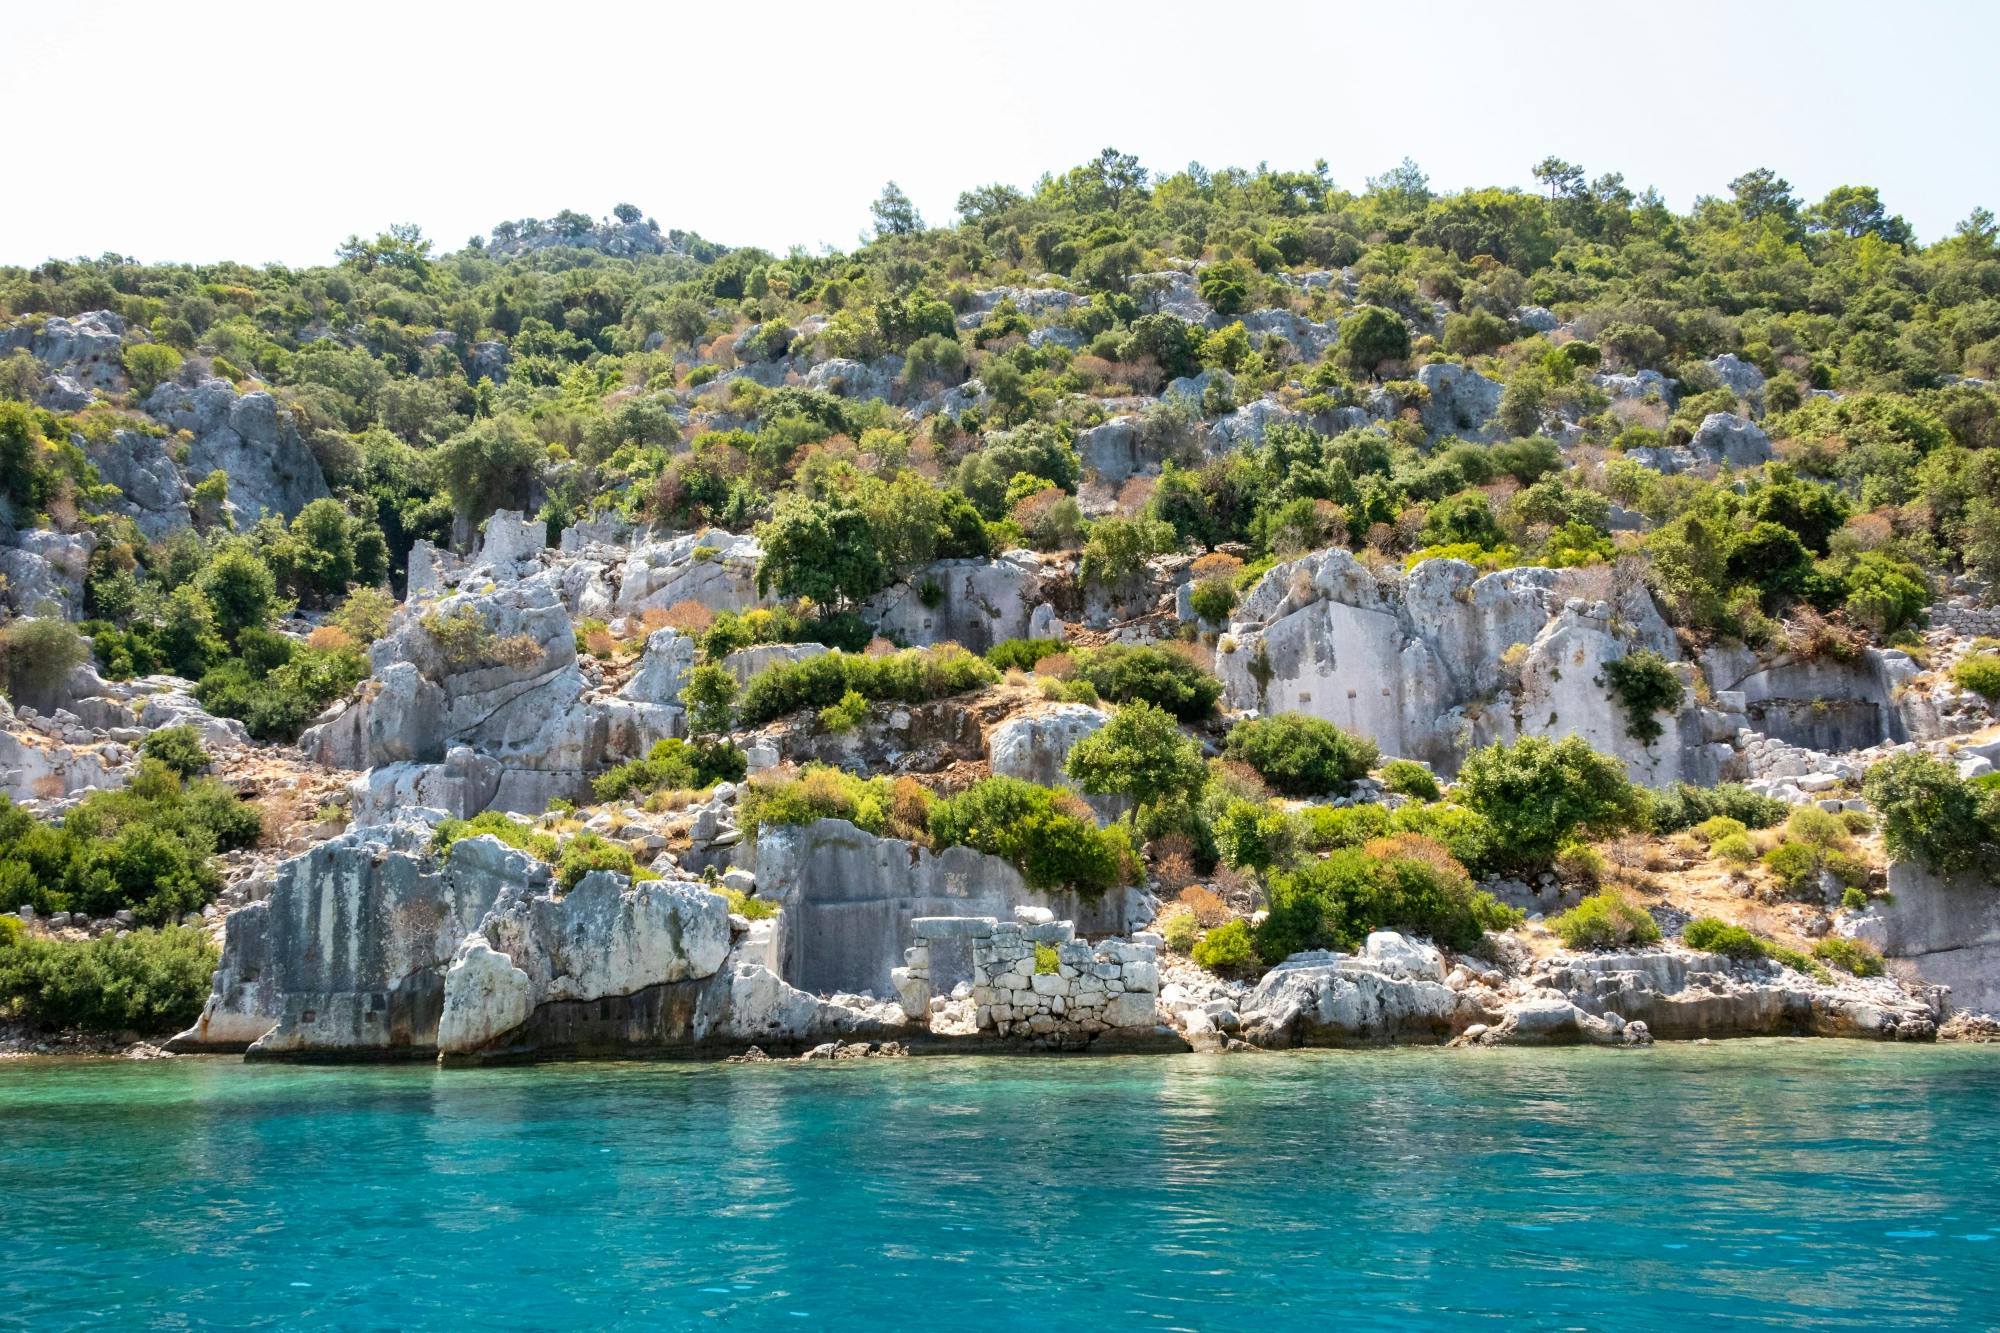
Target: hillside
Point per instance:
(1159, 576)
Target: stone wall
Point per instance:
(1436, 662)
(850, 900)
(968, 975)
(1946, 930)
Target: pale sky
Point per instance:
(270, 131)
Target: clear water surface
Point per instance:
(1743, 1185)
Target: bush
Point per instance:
(1226, 949)
(151, 982)
(1407, 777)
(1302, 756)
(1122, 673)
(149, 365)
(147, 848)
(1733, 849)
(1213, 599)
(1711, 935)
(37, 653)
(1853, 899)
(1049, 834)
(587, 852)
(179, 748)
(1179, 928)
(1139, 753)
(1796, 866)
(915, 675)
(743, 905)
(672, 764)
(845, 715)
(1644, 686)
(1979, 673)
(1718, 827)
(276, 703)
(1605, 920)
(1468, 835)
(1684, 806)
(516, 834)
(817, 792)
(1405, 883)
(1539, 794)
(1848, 955)
(1021, 654)
(1930, 815)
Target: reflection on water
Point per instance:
(1761, 1184)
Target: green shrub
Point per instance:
(1021, 654)
(1123, 673)
(915, 675)
(1644, 686)
(1179, 928)
(743, 905)
(1140, 753)
(1579, 863)
(147, 847)
(586, 852)
(277, 702)
(1718, 827)
(149, 365)
(1047, 961)
(1794, 865)
(1929, 814)
(151, 982)
(1407, 777)
(1300, 755)
(1539, 794)
(1848, 955)
(1405, 883)
(179, 748)
(817, 792)
(1711, 935)
(1684, 806)
(1815, 827)
(1321, 828)
(516, 834)
(672, 764)
(1733, 849)
(846, 715)
(1979, 673)
(1213, 599)
(1049, 834)
(1468, 835)
(37, 653)
(1853, 899)
(1226, 949)
(732, 630)
(1605, 920)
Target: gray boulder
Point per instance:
(271, 470)
(153, 493)
(1734, 441)
(1462, 401)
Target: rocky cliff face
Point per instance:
(1945, 930)
(1436, 662)
(370, 945)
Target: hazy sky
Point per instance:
(271, 131)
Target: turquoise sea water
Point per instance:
(1744, 1185)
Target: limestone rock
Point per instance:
(1328, 999)
(1724, 437)
(1462, 401)
(271, 470)
(977, 603)
(485, 996)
